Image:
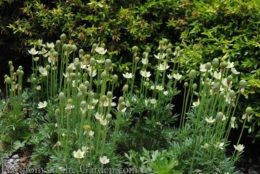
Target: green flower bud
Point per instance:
(57, 112)
(223, 65)
(58, 44)
(103, 98)
(104, 75)
(194, 86)
(120, 100)
(242, 83)
(229, 78)
(134, 49)
(108, 63)
(80, 95)
(215, 63)
(192, 74)
(219, 116)
(61, 96)
(148, 49)
(108, 116)
(186, 84)
(83, 88)
(114, 78)
(137, 59)
(125, 88)
(81, 53)
(208, 66)
(168, 51)
(74, 48)
(145, 54)
(8, 80)
(249, 110)
(109, 94)
(92, 61)
(63, 37)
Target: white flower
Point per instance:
(33, 51)
(159, 87)
(42, 105)
(128, 75)
(100, 61)
(103, 122)
(239, 147)
(160, 56)
(221, 146)
(210, 120)
(169, 76)
(43, 71)
(163, 67)
(203, 68)
(50, 45)
(98, 116)
(230, 64)
(145, 74)
(144, 61)
(232, 122)
(234, 71)
(104, 160)
(177, 76)
(165, 93)
(100, 50)
(153, 101)
(217, 75)
(78, 154)
(91, 133)
(196, 103)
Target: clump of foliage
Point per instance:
(200, 31)
(85, 124)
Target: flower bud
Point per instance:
(121, 99)
(148, 49)
(219, 116)
(192, 74)
(114, 78)
(63, 37)
(80, 95)
(61, 96)
(103, 98)
(104, 75)
(58, 44)
(208, 66)
(186, 84)
(194, 86)
(8, 80)
(137, 59)
(223, 65)
(125, 88)
(109, 94)
(215, 63)
(92, 61)
(134, 49)
(249, 110)
(242, 83)
(108, 63)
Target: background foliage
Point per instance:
(200, 30)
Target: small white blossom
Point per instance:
(78, 154)
(145, 74)
(232, 122)
(239, 147)
(166, 93)
(217, 75)
(159, 87)
(177, 76)
(163, 67)
(43, 71)
(33, 51)
(42, 105)
(203, 68)
(230, 64)
(100, 50)
(234, 71)
(160, 56)
(153, 101)
(210, 120)
(196, 103)
(144, 61)
(104, 160)
(128, 75)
